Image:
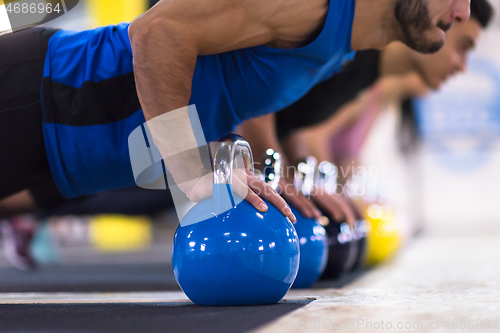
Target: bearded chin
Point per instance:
(421, 44)
(414, 21)
(433, 47)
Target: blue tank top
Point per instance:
(91, 106)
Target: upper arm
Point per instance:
(210, 26)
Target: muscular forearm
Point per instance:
(261, 134)
(164, 62)
(295, 148)
(166, 42)
(317, 139)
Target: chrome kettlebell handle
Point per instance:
(326, 177)
(304, 177)
(231, 148)
(272, 168)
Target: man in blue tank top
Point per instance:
(232, 60)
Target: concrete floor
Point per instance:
(433, 284)
(436, 282)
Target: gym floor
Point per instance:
(439, 280)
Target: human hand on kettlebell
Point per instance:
(248, 186)
(257, 189)
(335, 206)
(297, 199)
(319, 182)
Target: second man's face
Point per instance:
(452, 58)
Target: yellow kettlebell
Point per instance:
(383, 239)
(120, 233)
(106, 12)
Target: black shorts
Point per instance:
(23, 160)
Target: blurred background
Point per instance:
(460, 157)
(449, 185)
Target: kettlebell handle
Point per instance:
(231, 147)
(326, 177)
(272, 168)
(305, 175)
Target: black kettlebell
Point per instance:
(361, 227)
(342, 244)
(360, 233)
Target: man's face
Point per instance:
(423, 23)
(452, 58)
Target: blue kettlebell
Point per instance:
(313, 250)
(228, 253)
(312, 236)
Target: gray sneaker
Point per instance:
(17, 235)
